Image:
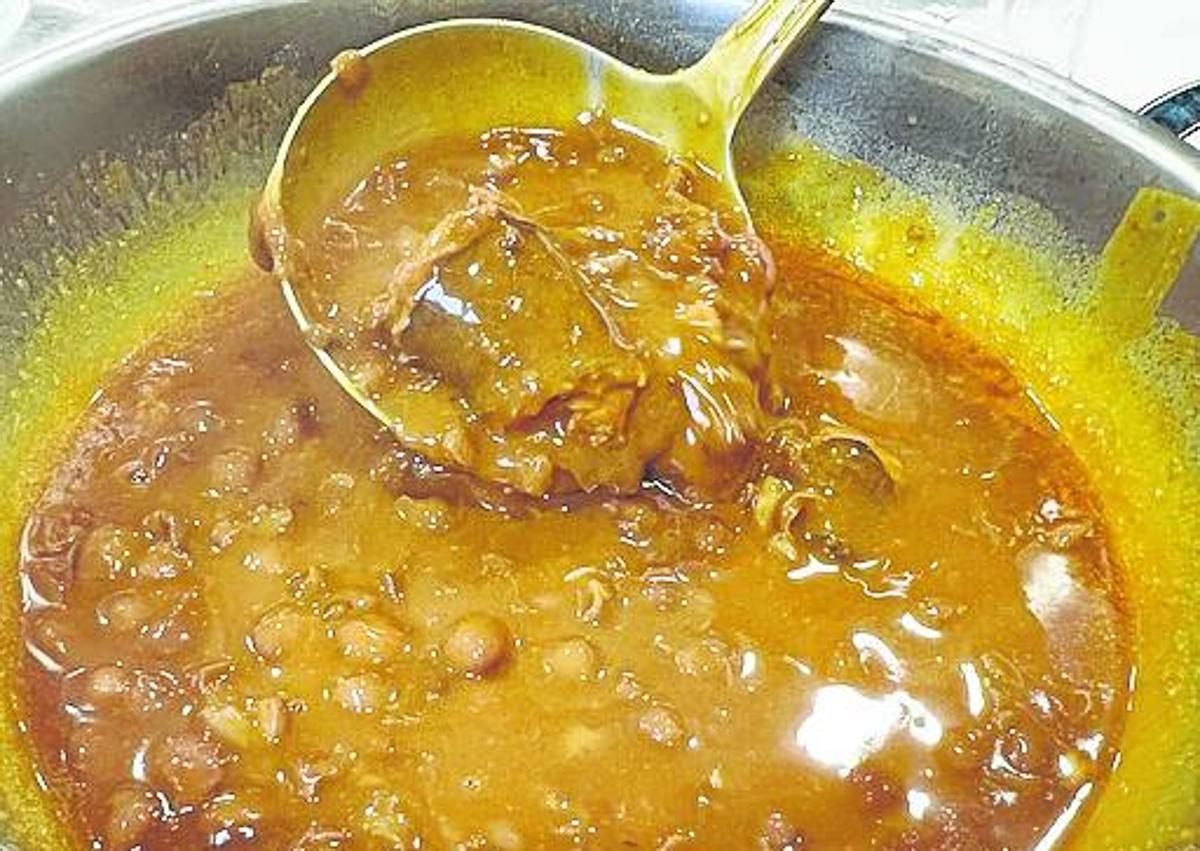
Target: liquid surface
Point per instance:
(255, 619)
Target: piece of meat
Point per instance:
(503, 316)
(624, 365)
(569, 323)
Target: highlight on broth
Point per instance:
(681, 542)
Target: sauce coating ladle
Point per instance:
(463, 77)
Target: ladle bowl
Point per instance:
(460, 78)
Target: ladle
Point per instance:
(463, 77)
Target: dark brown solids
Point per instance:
(682, 543)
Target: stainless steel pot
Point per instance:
(103, 134)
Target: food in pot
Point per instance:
(683, 542)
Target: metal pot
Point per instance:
(104, 135)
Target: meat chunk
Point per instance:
(496, 311)
(621, 365)
(555, 345)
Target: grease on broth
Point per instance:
(254, 618)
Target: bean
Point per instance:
(224, 533)
(44, 583)
(571, 659)
(879, 793)
(162, 561)
(188, 764)
(373, 641)
(53, 641)
(479, 645)
(105, 553)
(431, 515)
(385, 818)
(279, 632)
(131, 811)
(351, 71)
(163, 527)
(779, 834)
(177, 623)
(505, 836)
(125, 611)
(272, 518)
(233, 816)
(98, 754)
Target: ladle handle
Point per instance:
(744, 56)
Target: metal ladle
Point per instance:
(460, 78)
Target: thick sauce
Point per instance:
(257, 619)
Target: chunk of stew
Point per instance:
(551, 311)
(645, 566)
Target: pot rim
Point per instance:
(1017, 73)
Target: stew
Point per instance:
(675, 541)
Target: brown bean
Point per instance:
(706, 658)
(44, 582)
(571, 659)
(311, 770)
(319, 838)
(385, 818)
(371, 640)
(224, 532)
(53, 640)
(105, 553)
(163, 527)
(97, 753)
(351, 71)
(131, 811)
(280, 631)
(178, 621)
(335, 493)
(233, 816)
(229, 724)
(162, 561)
(188, 764)
(505, 836)
(431, 515)
(125, 611)
(297, 422)
(107, 684)
(272, 518)
(479, 645)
